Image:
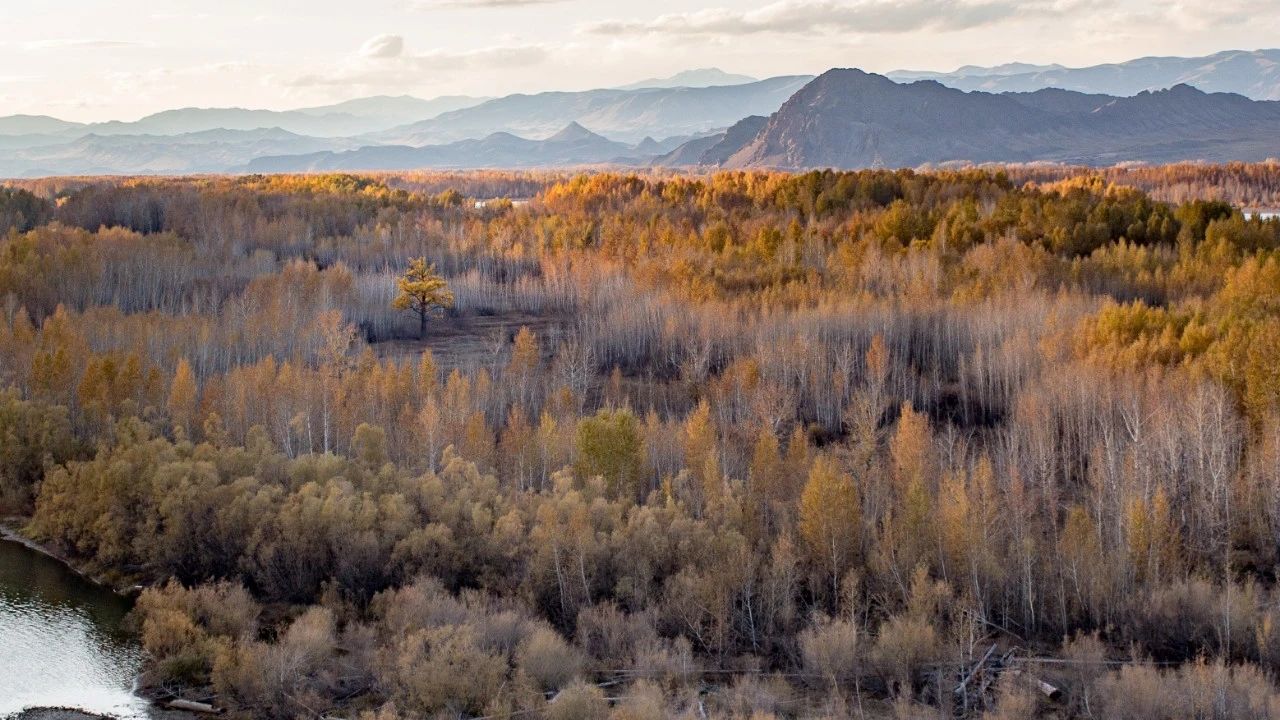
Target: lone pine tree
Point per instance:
(422, 290)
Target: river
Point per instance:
(62, 640)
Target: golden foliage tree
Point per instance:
(829, 519)
(700, 452)
(422, 290)
(609, 446)
(183, 397)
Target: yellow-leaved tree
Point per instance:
(830, 516)
(609, 445)
(184, 397)
(422, 290)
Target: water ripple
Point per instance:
(61, 641)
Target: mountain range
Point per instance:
(175, 141)
(572, 145)
(850, 119)
(207, 151)
(1252, 73)
(351, 118)
(1151, 109)
(625, 115)
(702, 77)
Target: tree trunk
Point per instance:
(422, 324)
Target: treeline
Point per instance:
(1249, 185)
(781, 445)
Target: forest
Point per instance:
(993, 443)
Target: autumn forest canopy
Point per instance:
(631, 446)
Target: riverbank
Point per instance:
(66, 651)
(11, 530)
(57, 714)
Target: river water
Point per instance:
(62, 641)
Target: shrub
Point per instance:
(444, 669)
(611, 636)
(831, 649)
(1187, 619)
(182, 628)
(666, 661)
(1199, 690)
(905, 643)
(579, 701)
(642, 701)
(546, 658)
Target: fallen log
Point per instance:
(193, 706)
(964, 682)
(1049, 691)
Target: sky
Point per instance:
(92, 60)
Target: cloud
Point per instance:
(180, 17)
(81, 43)
(835, 16)
(383, 46)
(452, 4)
(384, 62)
(1222, 13)
(488, 57)
(163, 80)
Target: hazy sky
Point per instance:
(121, 59)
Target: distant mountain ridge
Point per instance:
(572, 145)
(34, 125)
(850, 119)
(708, 99)
(354, 117)
(708, 118)
(626, 115)
(33, 145)
(1252, 73)
(402, 108)
(701, 77)
(209, 151)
